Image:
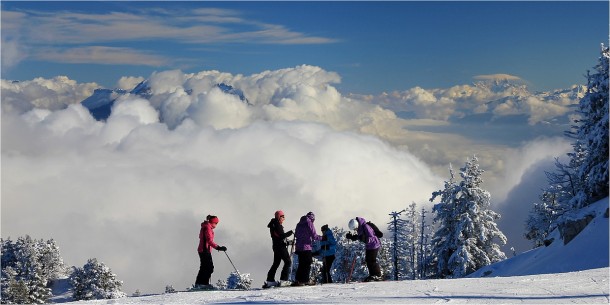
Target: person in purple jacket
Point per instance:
(366, 234)
(305, 234)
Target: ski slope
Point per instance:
(590, 286)
(576, 273)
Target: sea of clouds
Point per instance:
(132, 190)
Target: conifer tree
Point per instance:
(592, 130)
(28, 267)
(467, 237)
(95, 281)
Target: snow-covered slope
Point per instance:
(539, 276)
(589, 286)
(589, 249)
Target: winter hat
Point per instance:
(278, 214)
(311, 216)
(213, 219)
(324, 228)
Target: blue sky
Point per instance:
(373, 46)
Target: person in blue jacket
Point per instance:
(328, 247)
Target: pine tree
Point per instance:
(411, 241)
(398, 235)
(584, 179)
(592, 131)
(28, 267)
(239, 281)
(467, 237)
(95, 281)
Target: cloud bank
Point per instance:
(132, 190)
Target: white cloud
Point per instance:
(129, 82)
(80, 30)
(144, 179)
(101, 55)
(146, 191)
(53, 94)
(497, 77)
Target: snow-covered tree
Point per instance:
(592, 130)
(584, 179)
(542, 218)
(404, 229)
(350, 264)
(95, 281)
(398, 235)
(423, 254)
(170, 289)
(467, 237)
(239, 281)
(28, 267)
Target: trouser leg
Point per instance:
(277, 258)
(371, 262)
(328, 263)
(206, 268)
(287, 263)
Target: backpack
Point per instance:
(378, 233)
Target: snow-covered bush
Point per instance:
(239, 281)
(95, 281)
(170, 289)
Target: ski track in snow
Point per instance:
(582, 287)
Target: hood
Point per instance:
(272, 223)
(361, 220)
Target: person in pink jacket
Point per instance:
(206, 244)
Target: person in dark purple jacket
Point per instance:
(305, 234)
(366, 234)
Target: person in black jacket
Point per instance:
(280, 249)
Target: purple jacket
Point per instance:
(305, 234)
(366, 234)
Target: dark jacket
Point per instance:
(277, 233)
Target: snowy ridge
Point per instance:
(588, 250)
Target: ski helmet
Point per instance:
(353, 224)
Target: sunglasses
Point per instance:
(282, 216)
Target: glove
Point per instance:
(289, 233)
(222, 248)
(349, 236)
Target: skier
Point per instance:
(305, 234)
(280, 250)
(206, 243)
(328, 246)
(366, 234)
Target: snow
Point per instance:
(547, 281)
(589, 286)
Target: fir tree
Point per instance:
(467, 237)
(95, 281)
(592, 131)
(239, 281)
(398, 229)
(28, 267)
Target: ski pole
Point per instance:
(232, 264)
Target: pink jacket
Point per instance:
(206, 238)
